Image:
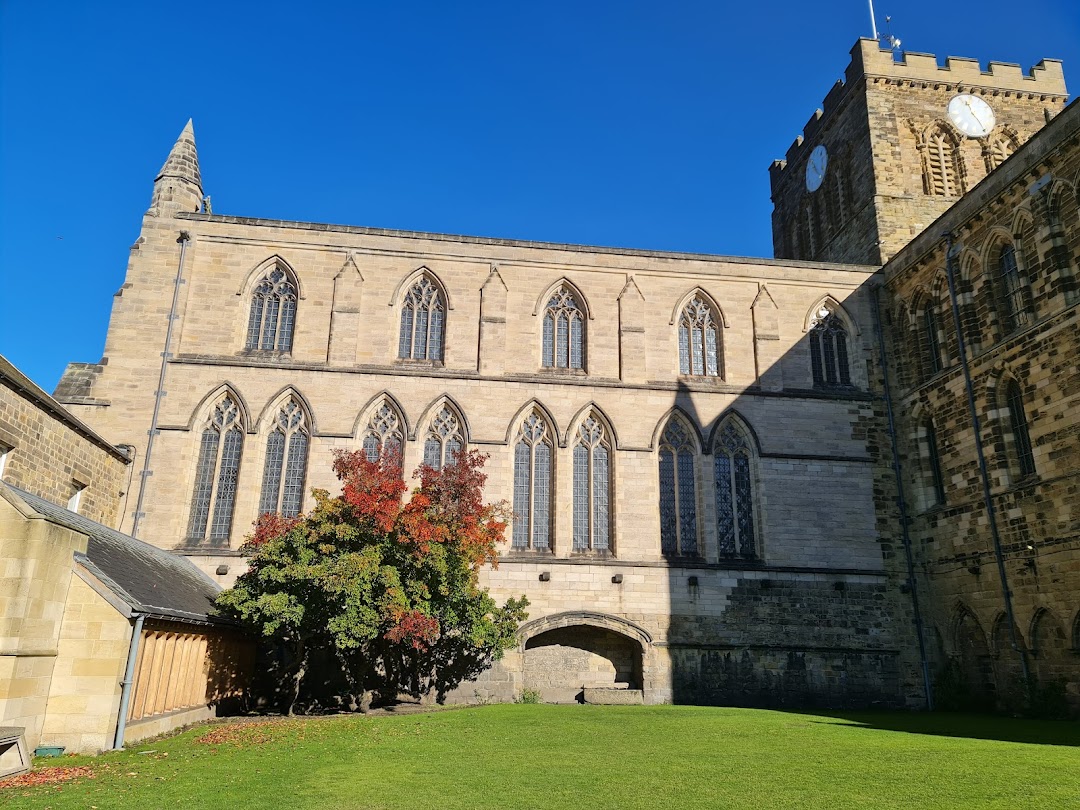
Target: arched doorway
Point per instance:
(568, 652)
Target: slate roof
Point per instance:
(149, 579)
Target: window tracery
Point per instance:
(678, 490)
(829, 350)
(733, 461)
(533, 467)
(564, 331)
(216, 474)
(592, 487)
(941, 167)
(273, 313)
(423, 312)
(286, 462)
(384, 434)
(444, 439)
(699, 340)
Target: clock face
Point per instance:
(971, 115)
(815, 167)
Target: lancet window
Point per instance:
(273, 313)
(444, 439)
(286, 462)
(422, 322)
(932, 459)
(1014, 308)
(564, 331)
(942, 176)
(678, 490)
(216, 474)
(734, 467)
(592, 487)
(384, 434)
(1025, 458)
(533, 458)
(699, 340)
(829, 350)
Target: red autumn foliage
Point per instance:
(414, 629)
(372, 488)
(270, 525)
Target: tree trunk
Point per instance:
(298, 676)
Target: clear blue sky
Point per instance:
(613, 123)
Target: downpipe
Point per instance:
(126, 684)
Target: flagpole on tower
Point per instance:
(873, 22)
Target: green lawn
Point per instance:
(587, 758)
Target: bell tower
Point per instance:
(896, 142)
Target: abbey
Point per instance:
(698, 449)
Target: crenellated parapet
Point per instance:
(1045, 81)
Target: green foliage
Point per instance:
(385, 591)
(528, 696)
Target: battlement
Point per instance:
(870, 61)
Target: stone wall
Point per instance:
(1029, 205)
(51, 454)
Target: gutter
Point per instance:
(125, 685)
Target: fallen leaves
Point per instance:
(47, 776)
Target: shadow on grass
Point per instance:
(970, 726)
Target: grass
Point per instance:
(587, 758)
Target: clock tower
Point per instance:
(896, 142)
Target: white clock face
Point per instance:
(815, 167)
(971, 115)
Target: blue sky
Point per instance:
(632, 124)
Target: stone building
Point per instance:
(78, 598)
(696, 447)
(1016, 245)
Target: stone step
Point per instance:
(609, 696)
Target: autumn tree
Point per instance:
(384, 587)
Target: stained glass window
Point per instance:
(699, 340)
(444, 439)
(286, 462)
(592, 487)
(678, 491)
(733, 462)
(422, 322)
(1014, 310)
(384, 434)
(829, 350)
(532, 485)
(216, 474)
(564, 332)
(273, 313)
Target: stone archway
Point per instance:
(566, 653)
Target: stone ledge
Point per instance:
(609, 696)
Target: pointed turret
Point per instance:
(179, 184)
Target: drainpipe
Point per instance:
(125, 685)
(951, 251)
(185, 237)
(901, 503)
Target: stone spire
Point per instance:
(179, 184)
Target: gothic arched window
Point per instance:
(273, 313)
(931, 341)
(733, 461)
(1014, 310)
(829, 350)
(699, 340)
(564, 331)
(422, 322)
(444, 439)
(592, 487)
(532, 484)
(286, 462)
(932, 460)
(384, 434)
(678, 490)
(216, 474)
(1025, 459)
(997, 150)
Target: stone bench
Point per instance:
(610, 696)
(14, 757)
